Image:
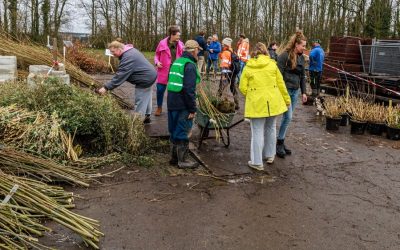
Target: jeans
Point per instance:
(242, 64)
(287, 116)
(160, 93)
(143, 100)
(214, 63)
(263, 139)
(179, 125)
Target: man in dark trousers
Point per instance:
(136, 69)
(181, 100)
(317, 57)
(203, 47)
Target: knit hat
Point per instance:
(190, 45)
(227, 41)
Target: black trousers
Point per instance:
(315, 83)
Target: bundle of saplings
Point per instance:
(97, 123)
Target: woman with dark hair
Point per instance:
(291, 63)
(168, 50)
(266, 97)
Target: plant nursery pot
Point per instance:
(357, 127)
(393, 133)
(333, 123)
(376, 128)
(345, 119)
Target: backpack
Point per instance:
(235, 63)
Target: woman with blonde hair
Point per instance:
(266, 97)
(291, 63)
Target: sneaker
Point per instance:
(256, 167)
(270, 160)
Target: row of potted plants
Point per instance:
(362, 115)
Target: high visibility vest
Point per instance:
(176, 73)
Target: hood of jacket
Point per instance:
(127, 47)
(259, 62)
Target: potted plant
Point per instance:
(393, 123)
(358, 109)
(344, 107)
(377, 115)
(332, 113)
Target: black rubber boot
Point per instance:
(174, 155)
(287, 151)
(182, 151)
(280, 149)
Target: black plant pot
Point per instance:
(357, 127)
(376, 128)
(345, 119)
(393, 133)
(333, 123)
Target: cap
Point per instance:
(190, 45)
(316, 41)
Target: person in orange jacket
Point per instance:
(228, 72)
(243, 52)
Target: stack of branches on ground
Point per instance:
(97, 123)
(28, 53)
(89, 62)
(35, 131)
(27, 202)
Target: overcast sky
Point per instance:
(79, 19)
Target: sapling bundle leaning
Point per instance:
(210, 105)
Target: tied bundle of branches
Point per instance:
(333, 108)
(32, 54)
(377, 114)
(206, 101)
(35, 131)
(88, 62)
(21, 163)
(32, 199)
(393, 117)
(358, 109)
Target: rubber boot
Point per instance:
(158, 111)
(174, 155)
(280, 149)
(287, 151)
(183, 162)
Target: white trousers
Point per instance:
(263, 139)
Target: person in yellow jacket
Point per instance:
(266, 97)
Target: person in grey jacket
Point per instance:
(135, 69)
(291, 63)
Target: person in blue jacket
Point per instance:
(317, 57)
(213, 52)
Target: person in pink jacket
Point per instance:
(168, 50)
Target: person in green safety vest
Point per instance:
(181, 103)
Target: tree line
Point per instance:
(144, 22)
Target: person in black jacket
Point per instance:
(136, 69)
(291, 63)
(203, 47)
(181, 103)
(273, 46)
